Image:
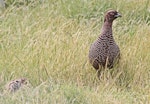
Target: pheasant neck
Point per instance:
(107, 28)
(108, 23)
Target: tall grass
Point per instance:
(48, 43)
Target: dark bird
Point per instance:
(104, 51)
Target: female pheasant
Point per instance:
(104, 51)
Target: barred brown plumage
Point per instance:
(16, 84)
(104, 51)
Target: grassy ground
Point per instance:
(48, 42)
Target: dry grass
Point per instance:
(48, 43)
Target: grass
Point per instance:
(48, 42)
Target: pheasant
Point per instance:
(15, 85)
(104, 51)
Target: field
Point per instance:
(48, 42)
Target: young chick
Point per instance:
(15, 85)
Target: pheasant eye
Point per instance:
(112, 13)
(17, 81)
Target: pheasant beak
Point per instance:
(118, 15)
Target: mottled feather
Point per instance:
(104, 51)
